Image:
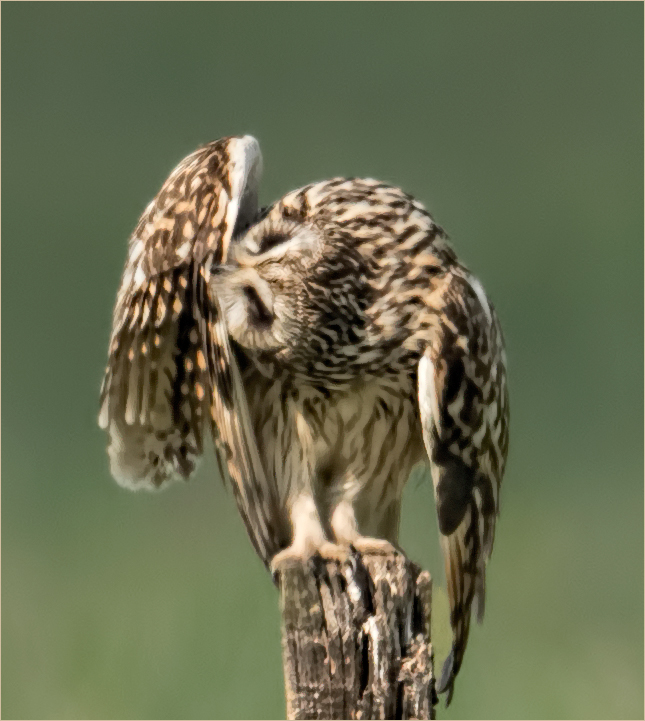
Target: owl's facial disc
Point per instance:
(247, 302)
(262, 285)
(259, 314)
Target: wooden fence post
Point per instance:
(356, 639)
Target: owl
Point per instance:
(328, 343)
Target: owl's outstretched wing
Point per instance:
(171, 370)
(156, 387)
(464, 413)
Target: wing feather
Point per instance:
(171, 369)
(235, 440)
(464, 412)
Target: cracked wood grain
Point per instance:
(355, 639)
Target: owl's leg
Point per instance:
(297, 479)
(308, 534)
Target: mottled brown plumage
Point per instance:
(170, 371)
(344, 344)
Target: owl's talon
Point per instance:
(368, 546)
(333, 552)
(296, 556)
(290, 557)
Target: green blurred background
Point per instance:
(521, 128)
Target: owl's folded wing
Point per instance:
(464, 413)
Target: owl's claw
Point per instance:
(290, 557)
(368, 546)
(333, 552)
(295, 555)
(299, 553)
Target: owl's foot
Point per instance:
(308, 535)
(345, 528)
(368, 546)
(297, 554)
(291, 556)
(333, 552)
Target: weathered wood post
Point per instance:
(356, 639)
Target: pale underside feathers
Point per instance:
(328, 343)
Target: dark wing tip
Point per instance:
(447, 682)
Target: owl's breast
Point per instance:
(360, 430)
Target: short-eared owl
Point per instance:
(329, 342)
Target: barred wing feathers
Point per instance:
(235, 443)
(170, 369)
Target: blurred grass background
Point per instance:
(521, 128)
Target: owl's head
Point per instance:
(298, 282)
(264, 289)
